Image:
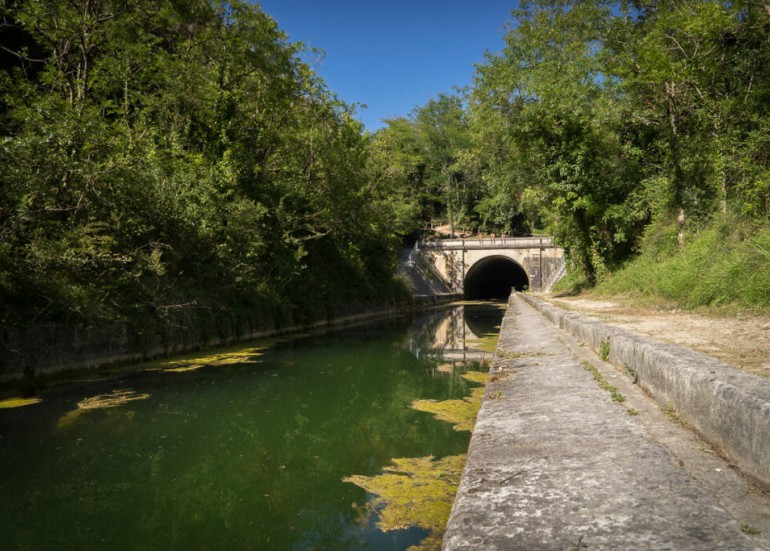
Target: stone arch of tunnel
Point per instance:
(493, 278)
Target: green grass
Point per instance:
(722, 266)
(750, 530)
(571, 284)
(603, 383)
(604, 350)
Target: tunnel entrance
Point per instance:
(493, 278)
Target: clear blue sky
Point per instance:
(394, 55)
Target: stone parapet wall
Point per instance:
(445, 264)
(728, 407)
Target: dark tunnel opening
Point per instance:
(493, 278)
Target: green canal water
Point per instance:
(247, 449)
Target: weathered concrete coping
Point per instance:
(560, 461)
(728, 407)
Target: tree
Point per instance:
(424, 162)
(166, 154)
(443, 132)
(548, 124)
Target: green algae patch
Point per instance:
(193, 363)
(478, 377)
(414, 492)
(419, 491)
(460, 413)
(487, 343)
(183, 369)
(69, 419)
(10, 403)
(112, 399)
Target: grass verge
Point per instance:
(723, 267)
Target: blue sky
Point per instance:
(394, 55)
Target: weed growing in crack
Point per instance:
(750, 530)
(508, 355)
(604, 350)
(599, 378)
(499, 377)
(632, 372)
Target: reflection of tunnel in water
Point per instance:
(484, 318)
(494, 277)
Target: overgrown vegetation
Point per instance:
(722, 265)
(177, 155)
(629, 130)
(165, 155)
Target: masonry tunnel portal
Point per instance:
(493, 278)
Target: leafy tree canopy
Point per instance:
(163, 153)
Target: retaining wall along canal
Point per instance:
(45, 349)
(562, 459)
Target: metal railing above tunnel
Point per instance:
(498, 242)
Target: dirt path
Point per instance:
(742, 341)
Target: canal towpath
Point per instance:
(569, 453)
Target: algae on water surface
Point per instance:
(460, 413)
(419, 491)
(415, 491)
(327, 407)
(112, 399)
(11, 403)
(192, 363)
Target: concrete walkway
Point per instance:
(556, 463)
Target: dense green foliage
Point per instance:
(424, 159)
(618, 126)
(166, 154)
(160, 154)
(721, 265)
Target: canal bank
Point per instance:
(49, 349)
(569, 453)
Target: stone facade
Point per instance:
(454, 259)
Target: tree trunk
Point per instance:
(670, 88)
(584, 246)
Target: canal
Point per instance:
(274, 445)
